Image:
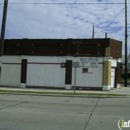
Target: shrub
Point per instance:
(123, 75)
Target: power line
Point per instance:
(64, 3)
(114, 18)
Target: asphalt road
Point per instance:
(28, 112)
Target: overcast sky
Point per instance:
(65, 19)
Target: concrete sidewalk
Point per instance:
(122, 90)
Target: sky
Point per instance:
(39, 19)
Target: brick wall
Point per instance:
(115, 48)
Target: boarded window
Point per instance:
(85, 70)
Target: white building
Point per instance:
(49, 63)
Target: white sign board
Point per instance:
(89, 62)
(75, 64)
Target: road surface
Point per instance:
(28, 112)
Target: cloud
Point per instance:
(64, 20)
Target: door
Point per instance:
(112, 78)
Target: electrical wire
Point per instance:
(65, 3)
(114, 19)
(111, 21)
(76, 4)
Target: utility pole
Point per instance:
(126, 39)
(93, 33)
(105, 35)
(3, 32)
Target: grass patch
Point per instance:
(59, 93)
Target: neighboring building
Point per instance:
(49, 63)
(123, 63)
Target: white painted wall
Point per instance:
(113, 62)
(50, 75)
(91, 79)
(39, 73)
(11, 73)
(54, 76)
(11, 59)
(45, 75)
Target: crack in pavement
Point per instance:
(91, 114)
(13, 105)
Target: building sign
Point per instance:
(75, 64)
(89, 62)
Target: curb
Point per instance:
(61, 94)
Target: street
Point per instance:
(29, 112)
